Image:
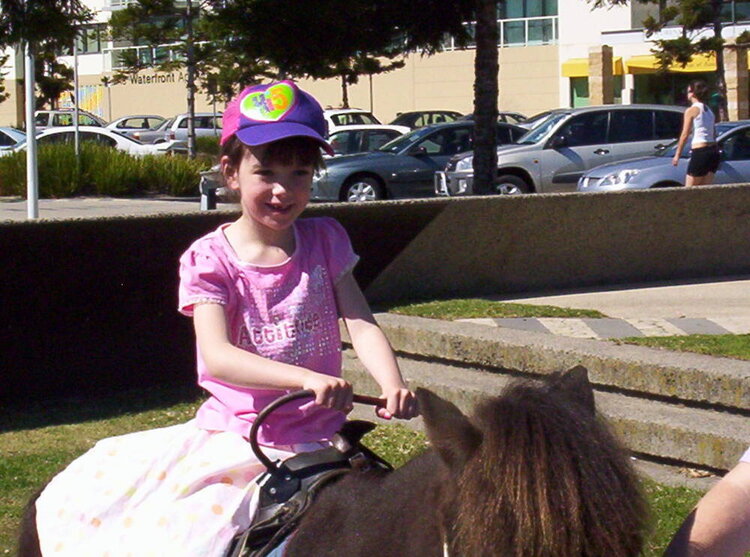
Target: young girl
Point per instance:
(704, 151)
(265, 293)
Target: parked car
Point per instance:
(532, 121)
(658, 171)
(103, 136)
(402, 168)
(360, 139)
(128, 125)
(10, 138)
(44, 119)
(207, 124)
(555, 154)
(510, 117)
(421, 118)
(337, 118)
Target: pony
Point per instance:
(534, 472)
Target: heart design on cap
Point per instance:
(270, 105)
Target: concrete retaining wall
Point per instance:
(89, 305)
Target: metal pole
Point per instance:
(32, 174)
(76, 134)
(190, 54)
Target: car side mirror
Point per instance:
(419, 150)
(558, 141)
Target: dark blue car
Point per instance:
(403, 168)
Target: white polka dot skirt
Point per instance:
(178, 490)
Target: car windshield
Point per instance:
(539, 131)
(407, 139)
(669, 150)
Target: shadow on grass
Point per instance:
(71, 410)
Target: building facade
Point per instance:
(552, 53)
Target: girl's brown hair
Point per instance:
(284, 151)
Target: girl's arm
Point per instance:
(687, 125)
(374, 350)
(236, 366)
(719, 526)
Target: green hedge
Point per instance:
(102, 171)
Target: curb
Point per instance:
(683, 409)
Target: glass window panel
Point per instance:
(534, 8)
(6, 140)
(631, 125)
(668, 125)
(514, 8)
(742, 11)
(550, 7)
(514, 32)
(541, 31)
(586, 129)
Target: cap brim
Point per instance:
(266, 133)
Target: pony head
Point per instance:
(535, 472)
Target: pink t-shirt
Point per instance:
(284, 312)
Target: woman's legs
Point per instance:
(705, 180)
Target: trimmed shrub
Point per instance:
(102, 171)
(208, 145)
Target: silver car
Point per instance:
(554, 154)
(659, 172)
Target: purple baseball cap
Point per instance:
(264, 113)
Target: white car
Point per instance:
(128, 125)
(337, 118)
(360, 139)
(103, 136)
(45, 119)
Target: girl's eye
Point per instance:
(303, 172)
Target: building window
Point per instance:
(734, 11)
(520, 23)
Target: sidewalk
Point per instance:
(667, 309)
(15, 209)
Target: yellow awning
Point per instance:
(647, 63)
(579, 67)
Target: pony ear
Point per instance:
(575, 383)
(450, 432)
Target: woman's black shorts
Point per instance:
(703, 160)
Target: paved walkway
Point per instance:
(621, 328)
(709, 307)
(15, 209)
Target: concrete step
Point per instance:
(656, 430)
(691, 379)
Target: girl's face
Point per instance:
(271, 194)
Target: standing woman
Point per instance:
(704, 152)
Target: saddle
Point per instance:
(288, 490)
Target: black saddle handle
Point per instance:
(296, 395)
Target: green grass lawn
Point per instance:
(37, 441)
(728, 346)
(465, 308)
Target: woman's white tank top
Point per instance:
(703, 125)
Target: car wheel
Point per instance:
(509, 184)
(362, 188)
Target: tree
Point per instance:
(694, 16)
(53, 79)
(3, 93)
(486, 69)
(200, 46)
(49, 26)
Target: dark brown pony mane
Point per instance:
(548, 478)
